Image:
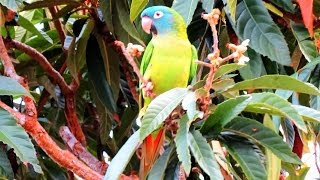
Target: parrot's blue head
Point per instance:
(160, 20)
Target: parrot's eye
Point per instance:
(158, 14)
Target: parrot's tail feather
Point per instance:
(150, 150)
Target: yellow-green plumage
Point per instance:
(168, 62)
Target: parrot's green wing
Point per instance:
(193, 67)
(146, 58)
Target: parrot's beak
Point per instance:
(146, 24)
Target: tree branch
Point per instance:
(78, 150)
(43, 62)
(30, 123)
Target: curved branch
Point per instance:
(30, 123)
(43, 62)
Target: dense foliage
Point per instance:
(252, 120)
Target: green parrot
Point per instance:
(168, 62)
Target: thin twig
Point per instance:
(130, 60)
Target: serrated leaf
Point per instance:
(136, 7)
(9, 86)
(185, 8)
(254, 68)
(159, 167)
(25, 23)
(247, 158)
(122, 158)
(107, 9)
(71, 59)
(5, 166)
(220, 86)
(307, 46)
(264, 136)
(181, 141)
(274, 104)
(111, 64)
(226, 69)
(225, 112)
(97, 74)
(288, 131)
(15, 136)
(276, 82)
(273, 9)
(285, 4)
(124, 17)
(160, 108)
(255, 23)
(82, 41)
(207, 5)
(204, 154)
(273, 162)
(189, 104)
(307, 113)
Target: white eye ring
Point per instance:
(158, 14)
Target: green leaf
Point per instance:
(111, 64)
(160, 108)
(288, 131)
(9, 86)
(181, 141)
(49, 3)
(82, 41)
(71, 60)
(185, 8)
(15, 136)
(273, 104)
(307, 46)
(276, 82)
(232, 4)
(159, 167)
(264, 136)
(124, 17)
(107, 9)
(273, 162)
(254, 68)
(255, 23)
(189, 104)
(207, 5)
(204, 154)
(39, 44)
(106, 122)
(122, 158)
(25, 23)
(5, 166)
(226, 69)
(223, 84)
(97, 74)
(308, 114)
(225, 112)
(136, 7)
(246, 157)
(285, 4)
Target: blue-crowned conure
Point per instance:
(168, 62)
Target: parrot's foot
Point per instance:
(147, 89)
